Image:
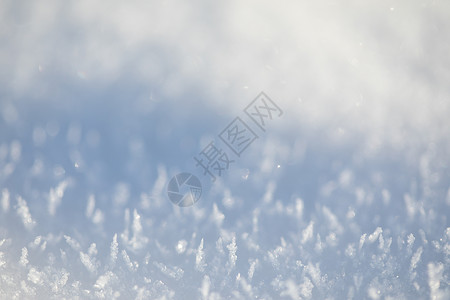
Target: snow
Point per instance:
(55, 197)
(23, 258)
(5, 200)
(88, 262)
(35, 276)
(114, 250)
(24, 213)
(435, 271)
(346, 195)
(232, 257)
(132, 266)
(104, 279)
(308, 232)
(416, 258)
(200, 263)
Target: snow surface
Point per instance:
(345, 196)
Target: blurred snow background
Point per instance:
(345, 197)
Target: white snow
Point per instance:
(90, 206)
(204, 289)
(35, 276)
(232, 257)
(5, 200)
(88, 262)
(308, 232)
(104, 279)
(114, 250)
(346, 195)
(435, 271)
(24, 213)
(72, 243)
(416, 258)
(55, 197)
(132, 266)
(24, 257)
(200, 263)
(181, 246)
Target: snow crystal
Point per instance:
(416, 258)
(5, 200)
(2, 261)
(92, 251)
(268, 196)
(200, 263)
(410, 242)
(350, 250)
(306, 288)
(380, 241)
(104, 279)
(362, 240)
(55, 196)
(44, 245)
(374, 236)
(60, 281)
(173, 272)
(24, 257)
(29, 291)
(114, 250)
(132, 266)
(435, 271)
(314, 273)
(181, 246)
(35, 276)
(24, 213)
(88, 262)
(204, 289)
(72, 243)
(413, 206)
(90, 206)
(219, 245)
(299, 207)
(36, 242)
(332, 219)
(251, 270)
(308, 232)
(232, 257)
(138, 240)
(217, 216)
